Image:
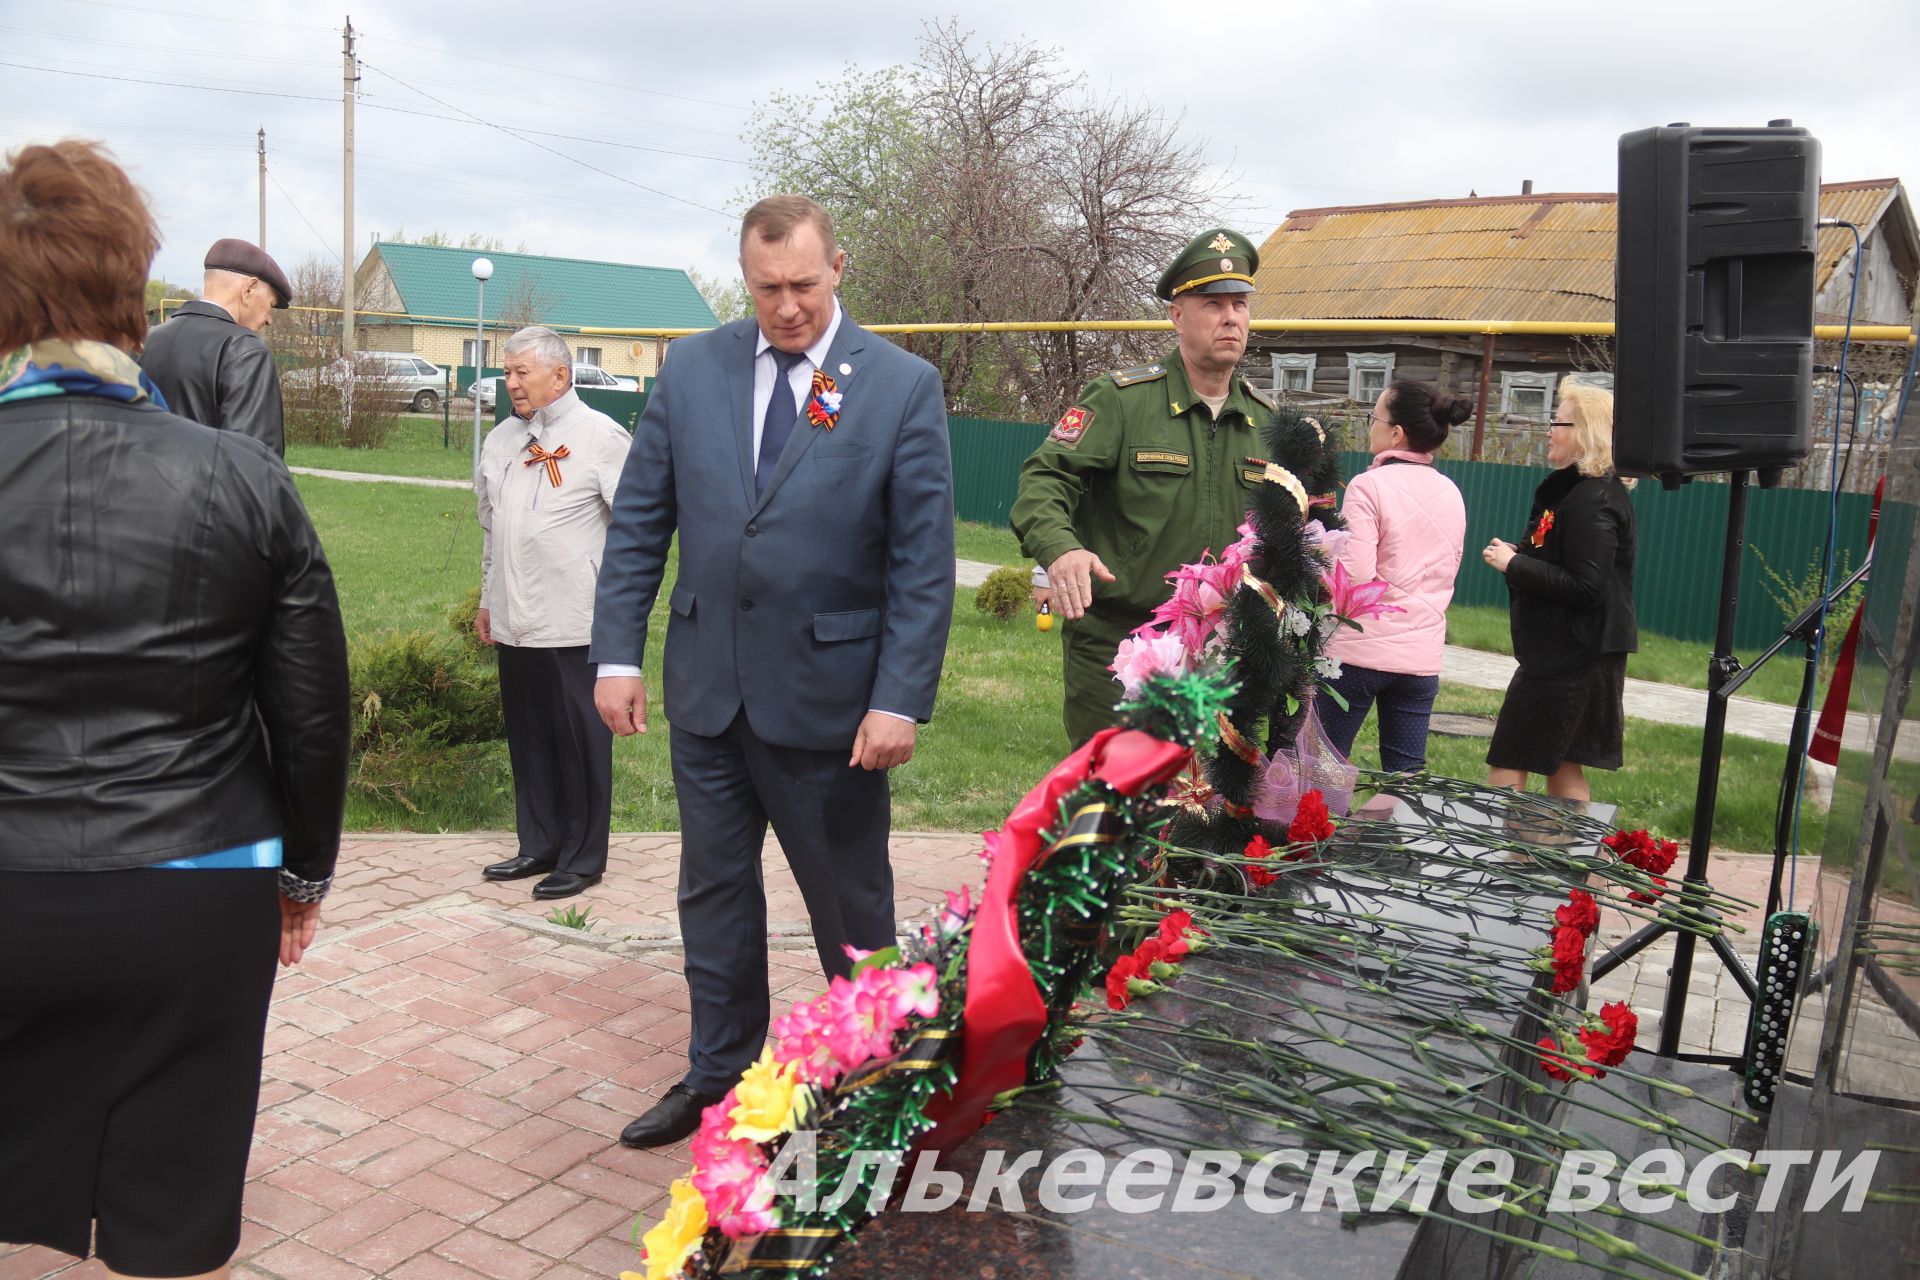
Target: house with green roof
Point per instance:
(424, 296)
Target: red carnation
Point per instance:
(1257, 849)
(1125, 969)
(1580, 912)
(1556, 1064)
(1174, 928)
(1642, 850)
(1310, 823)
(1569, 959)
(1609, 1037)
(1652, 894)
(1149, 950)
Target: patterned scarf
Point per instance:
(57, 367)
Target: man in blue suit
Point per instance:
(804, 463)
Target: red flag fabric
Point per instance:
(1004, 1014)
(1825, 746)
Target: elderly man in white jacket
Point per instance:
(545, 491)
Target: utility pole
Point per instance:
(263, 187)
(350, 74)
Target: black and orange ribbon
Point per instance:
(551, 459)
(1004, 1014)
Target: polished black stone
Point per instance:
(1434, 867)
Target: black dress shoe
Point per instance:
(563, 884)
(517, 869)
(674, 1117)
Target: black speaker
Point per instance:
(1713, 358)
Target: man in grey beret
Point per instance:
(210, 361)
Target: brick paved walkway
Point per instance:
(446, 1076)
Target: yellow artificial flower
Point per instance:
(671, 1243)
(769, 1100)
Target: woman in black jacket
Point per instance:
(1571, 609)
(173, 750)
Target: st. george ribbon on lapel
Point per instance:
(842, 355)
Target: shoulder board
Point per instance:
(1262, 397)
(1143, 373)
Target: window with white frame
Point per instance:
(1368, 374)
(589, 355)
(1293, 372)
(1593, 378)
(1527, 395)
(466, 352)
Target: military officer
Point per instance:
(1149, 468)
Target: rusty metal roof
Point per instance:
(1533, 257)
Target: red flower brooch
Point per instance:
(823, 401)
(1540, 530)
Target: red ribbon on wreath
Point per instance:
(1004, 1014)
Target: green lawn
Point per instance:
(1655, 786)
(404, 556)
(1661, 658)
(414, 449)
(987, 543)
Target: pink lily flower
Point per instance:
(1353, 601)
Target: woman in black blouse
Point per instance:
(1570, 584)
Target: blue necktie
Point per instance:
(778, 424)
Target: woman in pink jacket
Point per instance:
(1406, 524)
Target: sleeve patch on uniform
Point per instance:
(1072, 425)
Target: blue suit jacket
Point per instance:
(827, 597)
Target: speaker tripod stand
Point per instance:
(1691, 900)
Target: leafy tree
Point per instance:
(985, 182)
(159, 291)
(728, 297)
(478, 241)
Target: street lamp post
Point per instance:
(482, 271)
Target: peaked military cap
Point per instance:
(1215, 261)
(243, 258)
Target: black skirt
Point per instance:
(1576, 718)
(133, 1006)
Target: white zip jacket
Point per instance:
(540, 543)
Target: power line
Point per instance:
(570, 108)
(162, 48)
(93, 64)
(406, 176)
(199, 17)
(324, 243)
(171, 84)
(543, 146)
(522, 69)
(378, 105)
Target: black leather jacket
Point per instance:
(217, 373)
(1572, 596)
(173, 673)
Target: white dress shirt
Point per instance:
(799, 378)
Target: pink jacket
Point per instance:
(1409, 526)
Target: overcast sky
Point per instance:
(1298, 105)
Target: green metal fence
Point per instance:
(987, 454)
(1682, 537)
(624, 407)
(1682, 532)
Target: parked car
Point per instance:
(584, 375)
(419, 383)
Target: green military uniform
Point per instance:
(1142, 474)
